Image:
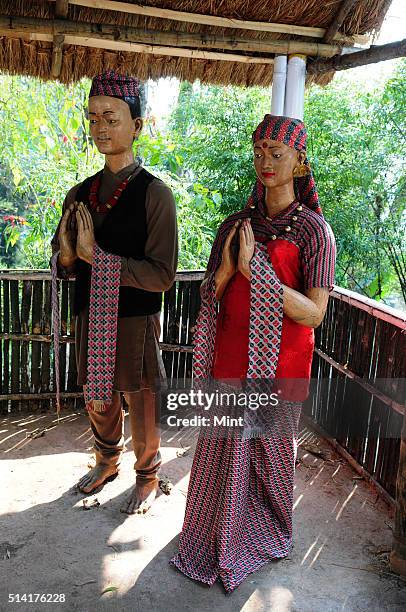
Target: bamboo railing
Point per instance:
(360, 371)
(359, 341)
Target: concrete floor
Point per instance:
(49, 544)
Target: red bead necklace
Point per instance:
(112, 201)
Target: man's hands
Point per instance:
(76, 235)
(67, 237)
(85, 240)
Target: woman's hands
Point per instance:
(228, 266)
(67, 237)
(85, 240)
(228, 263)
(247, 248)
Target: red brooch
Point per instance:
(111, 202)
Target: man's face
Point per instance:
(111, 126)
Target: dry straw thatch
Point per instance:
(20, 55)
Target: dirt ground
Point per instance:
(102, 560)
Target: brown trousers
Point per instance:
(108, 430)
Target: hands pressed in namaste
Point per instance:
(85, 240)
(228, 265)
(76, 235)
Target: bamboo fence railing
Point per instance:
(359, 341)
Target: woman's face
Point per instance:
(274, 162)
(111, 126)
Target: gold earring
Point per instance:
(302, 170)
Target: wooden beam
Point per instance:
(21, 275)
(61, 8)
(57, 55)
(177, 348)
(338, 19)
(38, 396)
(97, 43)
(389, 401)
(376, 53)
(126, 35)
(220, 22)
(375, 309)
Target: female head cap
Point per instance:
(291, 132)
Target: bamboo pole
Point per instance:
(220, 22)
(337, 22)
(376, 53)
(389, 401)
(96, 43)
(125, 35)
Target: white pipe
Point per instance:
(278, 84)
(295, 86)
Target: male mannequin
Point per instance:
(141, 229)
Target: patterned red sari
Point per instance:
(239, 505)
(240, 499)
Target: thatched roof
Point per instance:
(84, 41)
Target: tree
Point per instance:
(45, 150)
(355, 145)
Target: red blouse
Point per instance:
(296, 270)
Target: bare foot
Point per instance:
(94, 480)
(141, 498)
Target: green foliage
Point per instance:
(213, 127)
(198, 207)
(356, 143)
(45, 150)
(356, 147)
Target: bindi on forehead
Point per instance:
(266, 144)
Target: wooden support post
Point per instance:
(375, 53)
(57, 55)
(398, 555)
(337, 22)
(61, 8)
(61, 12)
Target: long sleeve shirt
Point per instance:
(138, 362)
